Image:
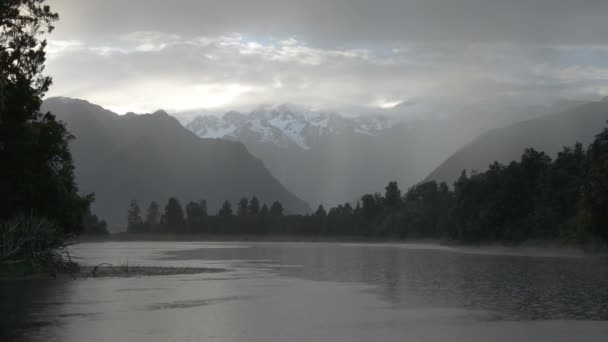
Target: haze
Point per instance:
(426, 56)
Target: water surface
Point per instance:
(316, 292)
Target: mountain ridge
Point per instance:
(548, 133)
(152, 157)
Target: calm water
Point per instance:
(315, 292)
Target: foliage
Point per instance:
(152, 215)
(37, 173)
(174, 214)
(533, 198)
(226, 210)
(92, 225)
(134, 221)
(32, 244)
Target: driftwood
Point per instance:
(96, 267)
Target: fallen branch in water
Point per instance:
(96, 267)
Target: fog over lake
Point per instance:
(317, 292)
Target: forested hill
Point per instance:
(146, 157)
(532, 198)
(549, 134)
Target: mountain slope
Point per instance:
(548, 134)
(326, 158)
(152, 157)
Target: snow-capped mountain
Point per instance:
(287, 125)
(329, 158)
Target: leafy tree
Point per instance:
(347, 209)
(595, 191)
(37, 173)
(254, 206)
(392, 198)
(92, 225)
(243, 207)
(320, 212)
(264, 211)
(152, 215)
(195, 215)
(371, 205)
(134, 221)
(174, 214)
(530, 198)
(225, 210)
(276, 209)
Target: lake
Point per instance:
(316, 292)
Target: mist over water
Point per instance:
(462, 144)
(321, 292)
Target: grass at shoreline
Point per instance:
(32, 245)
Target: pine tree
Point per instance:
(174, 214)
(225, 210)
(243, 207)
(392, 197)
(152, 216)
(254, 206)
(276, 209)
(195, 215)
(595, 191)
(264, 211)
(134, 221)
(320, 212)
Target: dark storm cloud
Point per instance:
(146, 54)
(349, 21)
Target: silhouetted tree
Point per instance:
(392, 198)
(195, 215)
(254, 206)
(531, 198)
(370, 206)
(264, 211)
(243, 207)
(347, 209)
(134, 221)
(225, 210)
(92, 225)
(37, 172)
(174, 214)
(595, 190)
(320, 212)
(276, 209)
(152, 216)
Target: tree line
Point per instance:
(533, 198)
(194, 217)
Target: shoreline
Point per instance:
(111, 271)
(530, 247)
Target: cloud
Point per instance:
(347, 21)
(191, 54)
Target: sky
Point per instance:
(218, 55)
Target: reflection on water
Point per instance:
(315, 291)
(518, 287)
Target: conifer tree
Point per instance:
(134, 221)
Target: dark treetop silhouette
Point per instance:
(564, 199)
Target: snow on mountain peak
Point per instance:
(286, 125)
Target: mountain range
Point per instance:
(328, 158)
(317, 156)
(152, 157)
(548, 133)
